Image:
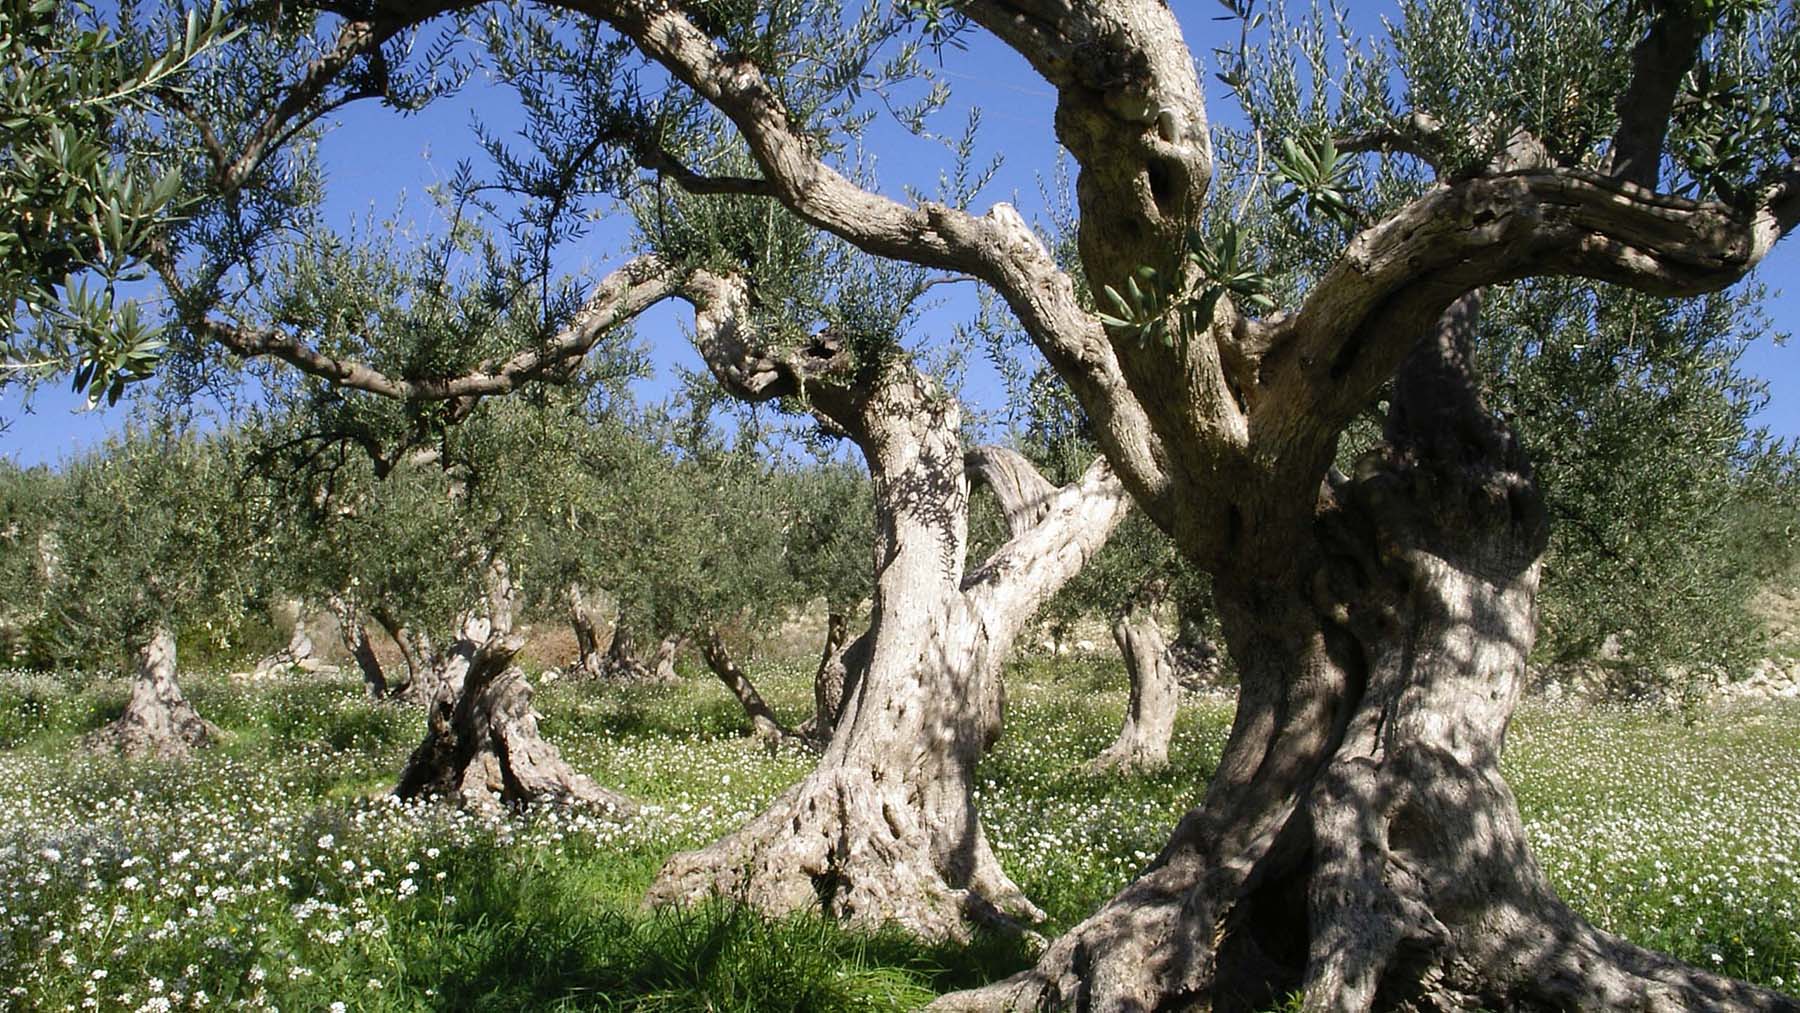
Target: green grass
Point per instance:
(272, 872)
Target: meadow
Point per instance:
(273, 872)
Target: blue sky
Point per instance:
(375, 156)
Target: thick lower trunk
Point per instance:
(623, 664)
(300, 647)
(1357, 842)
(662, 663)
(158, 720)
(841, 665)
(1143, 742)
(416, 654)
(482, 747)
(763, 722)
(884, 829)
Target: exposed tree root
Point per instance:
(1358, 842)
(855, 847)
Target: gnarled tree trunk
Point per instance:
(622, 662)
(158, 720)
(662, 662)
(299, 647)
(355, 635)
(416, 652)
(1143, 742)
(590, 660)
(841, 665)
(482, 747)
(1358, 841)
(885, 828)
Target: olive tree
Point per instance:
(79, 222)
(147, 530)
(28, 559)
(1357, 840)
(1657, 483)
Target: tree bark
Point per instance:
(482, 748)
(622, 662)
(662, 663)
(416, 652)
(590, 660)
(1358, 842)
(841, 665)
(300, 647)
(764, 724)
(355, 634)
(885, 828)
(1143, 742)
(158, 721)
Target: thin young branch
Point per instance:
(659, 159)
(356, 38)
(1418, 135)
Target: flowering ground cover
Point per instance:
(273, 872)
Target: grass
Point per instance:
(273, 873)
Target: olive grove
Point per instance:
(1235, 300)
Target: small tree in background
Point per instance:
(28, 560)
(150, 533)
(1380, 619)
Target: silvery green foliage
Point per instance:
(1670, 507)
(150, 529)
(79, 221)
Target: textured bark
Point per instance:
(355, 635)
(158, 720)
(662, 663)
(841, 665)
(482, 747)
(829, 678)
(1358, 842)
(1224, 438)
(623, 664)
(589, 658)
(416, 653)
(1143, 742)
(885, 828)
(763, 722)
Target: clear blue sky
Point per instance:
(376, 156)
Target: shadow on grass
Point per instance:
(719, 956)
